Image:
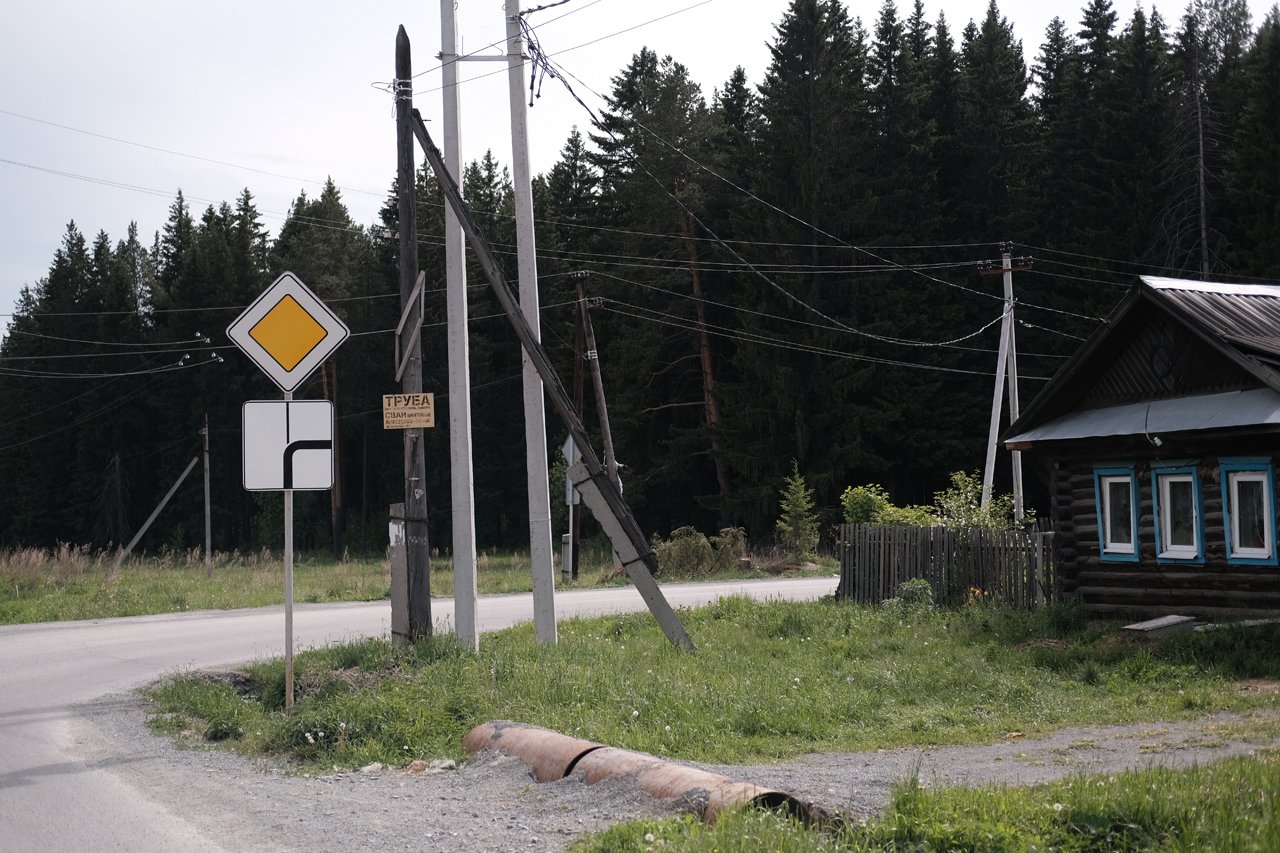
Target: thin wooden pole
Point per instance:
(417, 550)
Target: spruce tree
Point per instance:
(792, 393)
(1252, 178)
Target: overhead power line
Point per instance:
(525, 25)
(838, 241)
(781, 343)
(908, 342)
(175, 153)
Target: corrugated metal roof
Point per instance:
(1255, 407)
(1232, 311)
(1225, 338)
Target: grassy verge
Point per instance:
(1226, 805)
(770, 680)
(76, 583)
(69, 584)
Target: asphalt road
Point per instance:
(52, 799)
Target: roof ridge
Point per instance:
(1221, 287)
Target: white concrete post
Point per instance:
(535, 429)
(462, 490)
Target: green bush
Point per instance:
(689, 553)
(959, 505)
(870, 504)
(864, 504)
(728, 547)
(914, 596)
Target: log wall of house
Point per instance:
(1150, 587)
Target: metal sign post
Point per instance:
(288, 332)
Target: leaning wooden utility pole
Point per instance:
(417, 621)
(598, 491)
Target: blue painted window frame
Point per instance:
(1121, 469)
(1228, 465)
(1160, 470)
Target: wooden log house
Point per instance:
(1162, 436)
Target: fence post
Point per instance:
(1039, 569)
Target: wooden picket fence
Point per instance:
(962, 564)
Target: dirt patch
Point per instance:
(1046, 643)
(1264, 686)
(493, 803)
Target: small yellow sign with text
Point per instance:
(408, 411)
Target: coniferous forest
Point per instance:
(778, 269)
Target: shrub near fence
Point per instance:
(1011, 567)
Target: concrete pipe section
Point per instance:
(551, 756)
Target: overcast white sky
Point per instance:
(286, 87)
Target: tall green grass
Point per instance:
(769, 681)
(68, 582)
(1226, 805)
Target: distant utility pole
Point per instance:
(575, 510)
(1006, 364)
(592, 357)
(461, 475)
(602, 409)
(417, 621)
(208, 522)
(535, 421)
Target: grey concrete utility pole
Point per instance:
(461, 476)
(1006, 368)
(417, 621)
(535, 421)
(1012, 364)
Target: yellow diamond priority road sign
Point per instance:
(288, 332)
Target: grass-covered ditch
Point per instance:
(769, 681)
(774, 680)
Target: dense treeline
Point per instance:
(782, 270)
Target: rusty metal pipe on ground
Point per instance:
(551, 755)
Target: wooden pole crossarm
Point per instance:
(403, 352)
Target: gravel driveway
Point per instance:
(493, 804)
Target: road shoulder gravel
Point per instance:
(492, 803)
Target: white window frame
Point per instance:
(1104, 475)
(1236, 470)
(1108, 546)
(1163, 479)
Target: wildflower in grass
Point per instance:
(648, 837)
(634, 713)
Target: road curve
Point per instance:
(51, 800)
